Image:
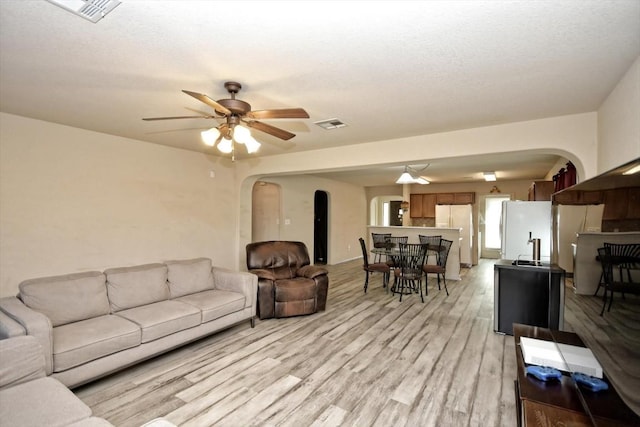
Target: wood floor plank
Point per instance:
(367, 360)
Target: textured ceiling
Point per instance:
(387, 69)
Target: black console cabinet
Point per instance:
(530, 295)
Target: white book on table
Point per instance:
(548, 353)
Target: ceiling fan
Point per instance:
(234, 112)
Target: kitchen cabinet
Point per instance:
(455, 198)
(541, 191)
(429, 205)
(616, 204)
(633, 211)
(423, 205)
(415, 205)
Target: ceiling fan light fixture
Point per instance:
(405, 178)
(225, 145)
(241, 134)
(252, 145)
(210, 136)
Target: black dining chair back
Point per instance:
(394, 242)
(608, 262)
(379, 240)
(440, 268)
(409, 274)
(433, 243)
(379, 267)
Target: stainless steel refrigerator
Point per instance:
(521, 221)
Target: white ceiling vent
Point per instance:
(330, 124)
(93, 10)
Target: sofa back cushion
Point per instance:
(130, 287)
(282, 258)
(68, 298)
(189, 276)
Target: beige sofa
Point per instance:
(29, 398)
(94, 323)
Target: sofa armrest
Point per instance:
(22, 361)
(34, 323)
(10, 328)
(311, 271)
(244, 282)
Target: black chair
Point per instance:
(440, 267)
(379, 267)
(432, 242)
(624, 256)
(379, 240)
(394, 242)
(409, 274)
(610, 285)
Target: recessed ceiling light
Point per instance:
(329, 124)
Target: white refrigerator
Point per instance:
(571, 220)
(520, 221)
(458, 216)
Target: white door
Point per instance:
(265, 212)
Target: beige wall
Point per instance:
(573, 137)
(619, 122)
(73, 200)
(347, 214)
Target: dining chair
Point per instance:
(379, 240)
(440, 267)
(395, 241)
(379, 267)
(409, 274)
(431, 242)
(624, 256)
(610, 285)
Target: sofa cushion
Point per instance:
(130, 287)
(162, 318)
(189, 276)
(81, 342)
(215, 304)
(42, 402)
(68, 298)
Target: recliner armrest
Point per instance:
(311, 271)
(263, 273)
(35, 324)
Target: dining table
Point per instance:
(393, 252)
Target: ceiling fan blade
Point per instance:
(178, 117)
(210, 102)
(271, 130)
(282, 113)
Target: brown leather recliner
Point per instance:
(287, 284)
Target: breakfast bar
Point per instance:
(453, 234)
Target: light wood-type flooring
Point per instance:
(368, 360)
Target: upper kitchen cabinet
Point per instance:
(415, 205)
(541, 191)
(455, 198)
(423, 205)
(618, 189)
(429, 205)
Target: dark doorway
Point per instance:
(320, 227)
(395, 215)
